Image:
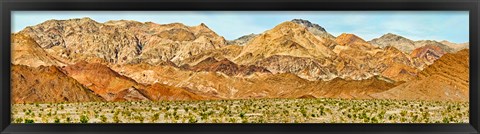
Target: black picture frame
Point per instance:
(7, 6)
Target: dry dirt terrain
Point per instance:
(245, 111)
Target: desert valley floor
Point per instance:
(245, 111)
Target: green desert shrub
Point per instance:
(57, 120)
(29, 121)
(18, 120)
(83, 119)
(103, 118)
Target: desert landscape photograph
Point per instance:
(240, 67)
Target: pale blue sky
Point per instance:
(416, 25)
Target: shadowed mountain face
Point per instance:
(132, 61)
(225, 66)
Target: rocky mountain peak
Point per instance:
(287, 38)
(428, 53)
(203, 25)
(313, 28)
(294, 57)
(122, 22)
(242, 41)
(307, 23)
(393, 37)
(287, 26)
(346, 38)
(390, 35)
(446, 42)
(84, 20)
(456, 46)
(403, 44)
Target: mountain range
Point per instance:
(125, 60)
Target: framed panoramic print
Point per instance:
(239, 66)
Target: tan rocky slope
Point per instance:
(225, 66)
(105, 82)
(25, 51)
(314, 28)
(291, 48)
(403, 44)
(444, 47)
(228, 52)
(407, 45)
(353, 41)
(115, 87)
(456, 46)
(242, 41)
(428, 53)
(46, 84)
(445, 80)
(287, 38)
(122, 42)
(257, 85)
(357, 59)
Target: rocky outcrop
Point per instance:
(287, 38)
(122, 42)
(225, 66)
(105, 82)
(401, 43)
(456, 46)
(428, 53)
(306, 68)
(353, 41)
(257, 85)
(444, 47)
(314, 28)
(45, 84)
(25, 51)
(407, 45)
(228, 52)
(290, 48)
(242, 41)
(358, 59)
(115, 87)
(445, 80)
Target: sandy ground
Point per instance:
(245, 111)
